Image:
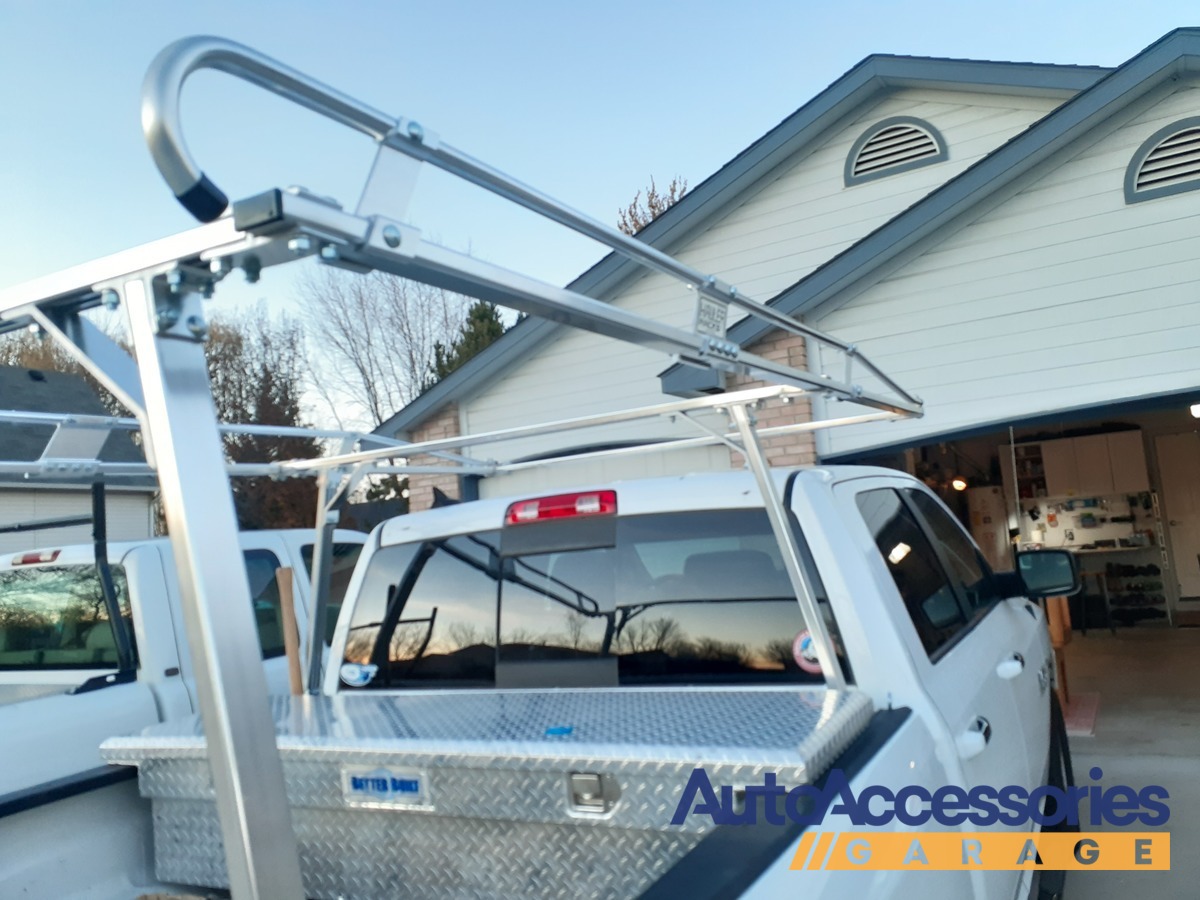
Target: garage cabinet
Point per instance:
(1094, 465)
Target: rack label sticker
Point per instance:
(379, 787)
(711, 316)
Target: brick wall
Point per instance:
(420, 487)
(789, 450)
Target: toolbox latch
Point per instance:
(592, 793)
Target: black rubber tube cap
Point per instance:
(204, 200)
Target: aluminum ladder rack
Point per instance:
(160, 287)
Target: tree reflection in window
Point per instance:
(55, 617)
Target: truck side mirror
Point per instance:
(1049, 573)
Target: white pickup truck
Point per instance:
(63, 690)
(525, 688)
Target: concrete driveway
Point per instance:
(1147, 732)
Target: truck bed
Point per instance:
(485, 808)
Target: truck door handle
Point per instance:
(973, 741)
(1012, 667)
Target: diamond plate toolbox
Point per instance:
(487, 795)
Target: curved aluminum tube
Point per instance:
(160, 110)
(204, 200)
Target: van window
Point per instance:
(345, 556)
(54, 617)
(680, 598)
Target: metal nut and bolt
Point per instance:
(391, 236)
(198, 327)
(167, 317)
(252, 266)
(300, 245)
(110, 298)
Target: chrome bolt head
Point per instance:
(300, 245)
(391, 236)
(110, 298)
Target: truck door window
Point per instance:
(914, 566)
(54, 617)
(345, 556)
(964, 563)
(264, 597)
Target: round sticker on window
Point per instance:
(357, 675)
(804, 651)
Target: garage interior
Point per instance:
(1117, 485)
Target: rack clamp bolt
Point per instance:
(176, 281)
(110, 298)
(300, 245)
(252, 266)
(166, 317)
(198, 327)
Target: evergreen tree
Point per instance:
(481, 327)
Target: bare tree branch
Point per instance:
(378, 335)
(640, 213)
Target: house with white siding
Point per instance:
(1015, 243)
(129, 505)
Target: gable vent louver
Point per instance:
(1166, 164)
(893, 146)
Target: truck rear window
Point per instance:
(695, 598)
(54, 617)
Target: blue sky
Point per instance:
(584, 101)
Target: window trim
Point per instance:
(942, 154)
(1148, 146)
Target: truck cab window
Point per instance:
(54, 617)
(427, 614)
(914, 566)
(692, 598)
(965, 565)
(344, 558)
(264, 597)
